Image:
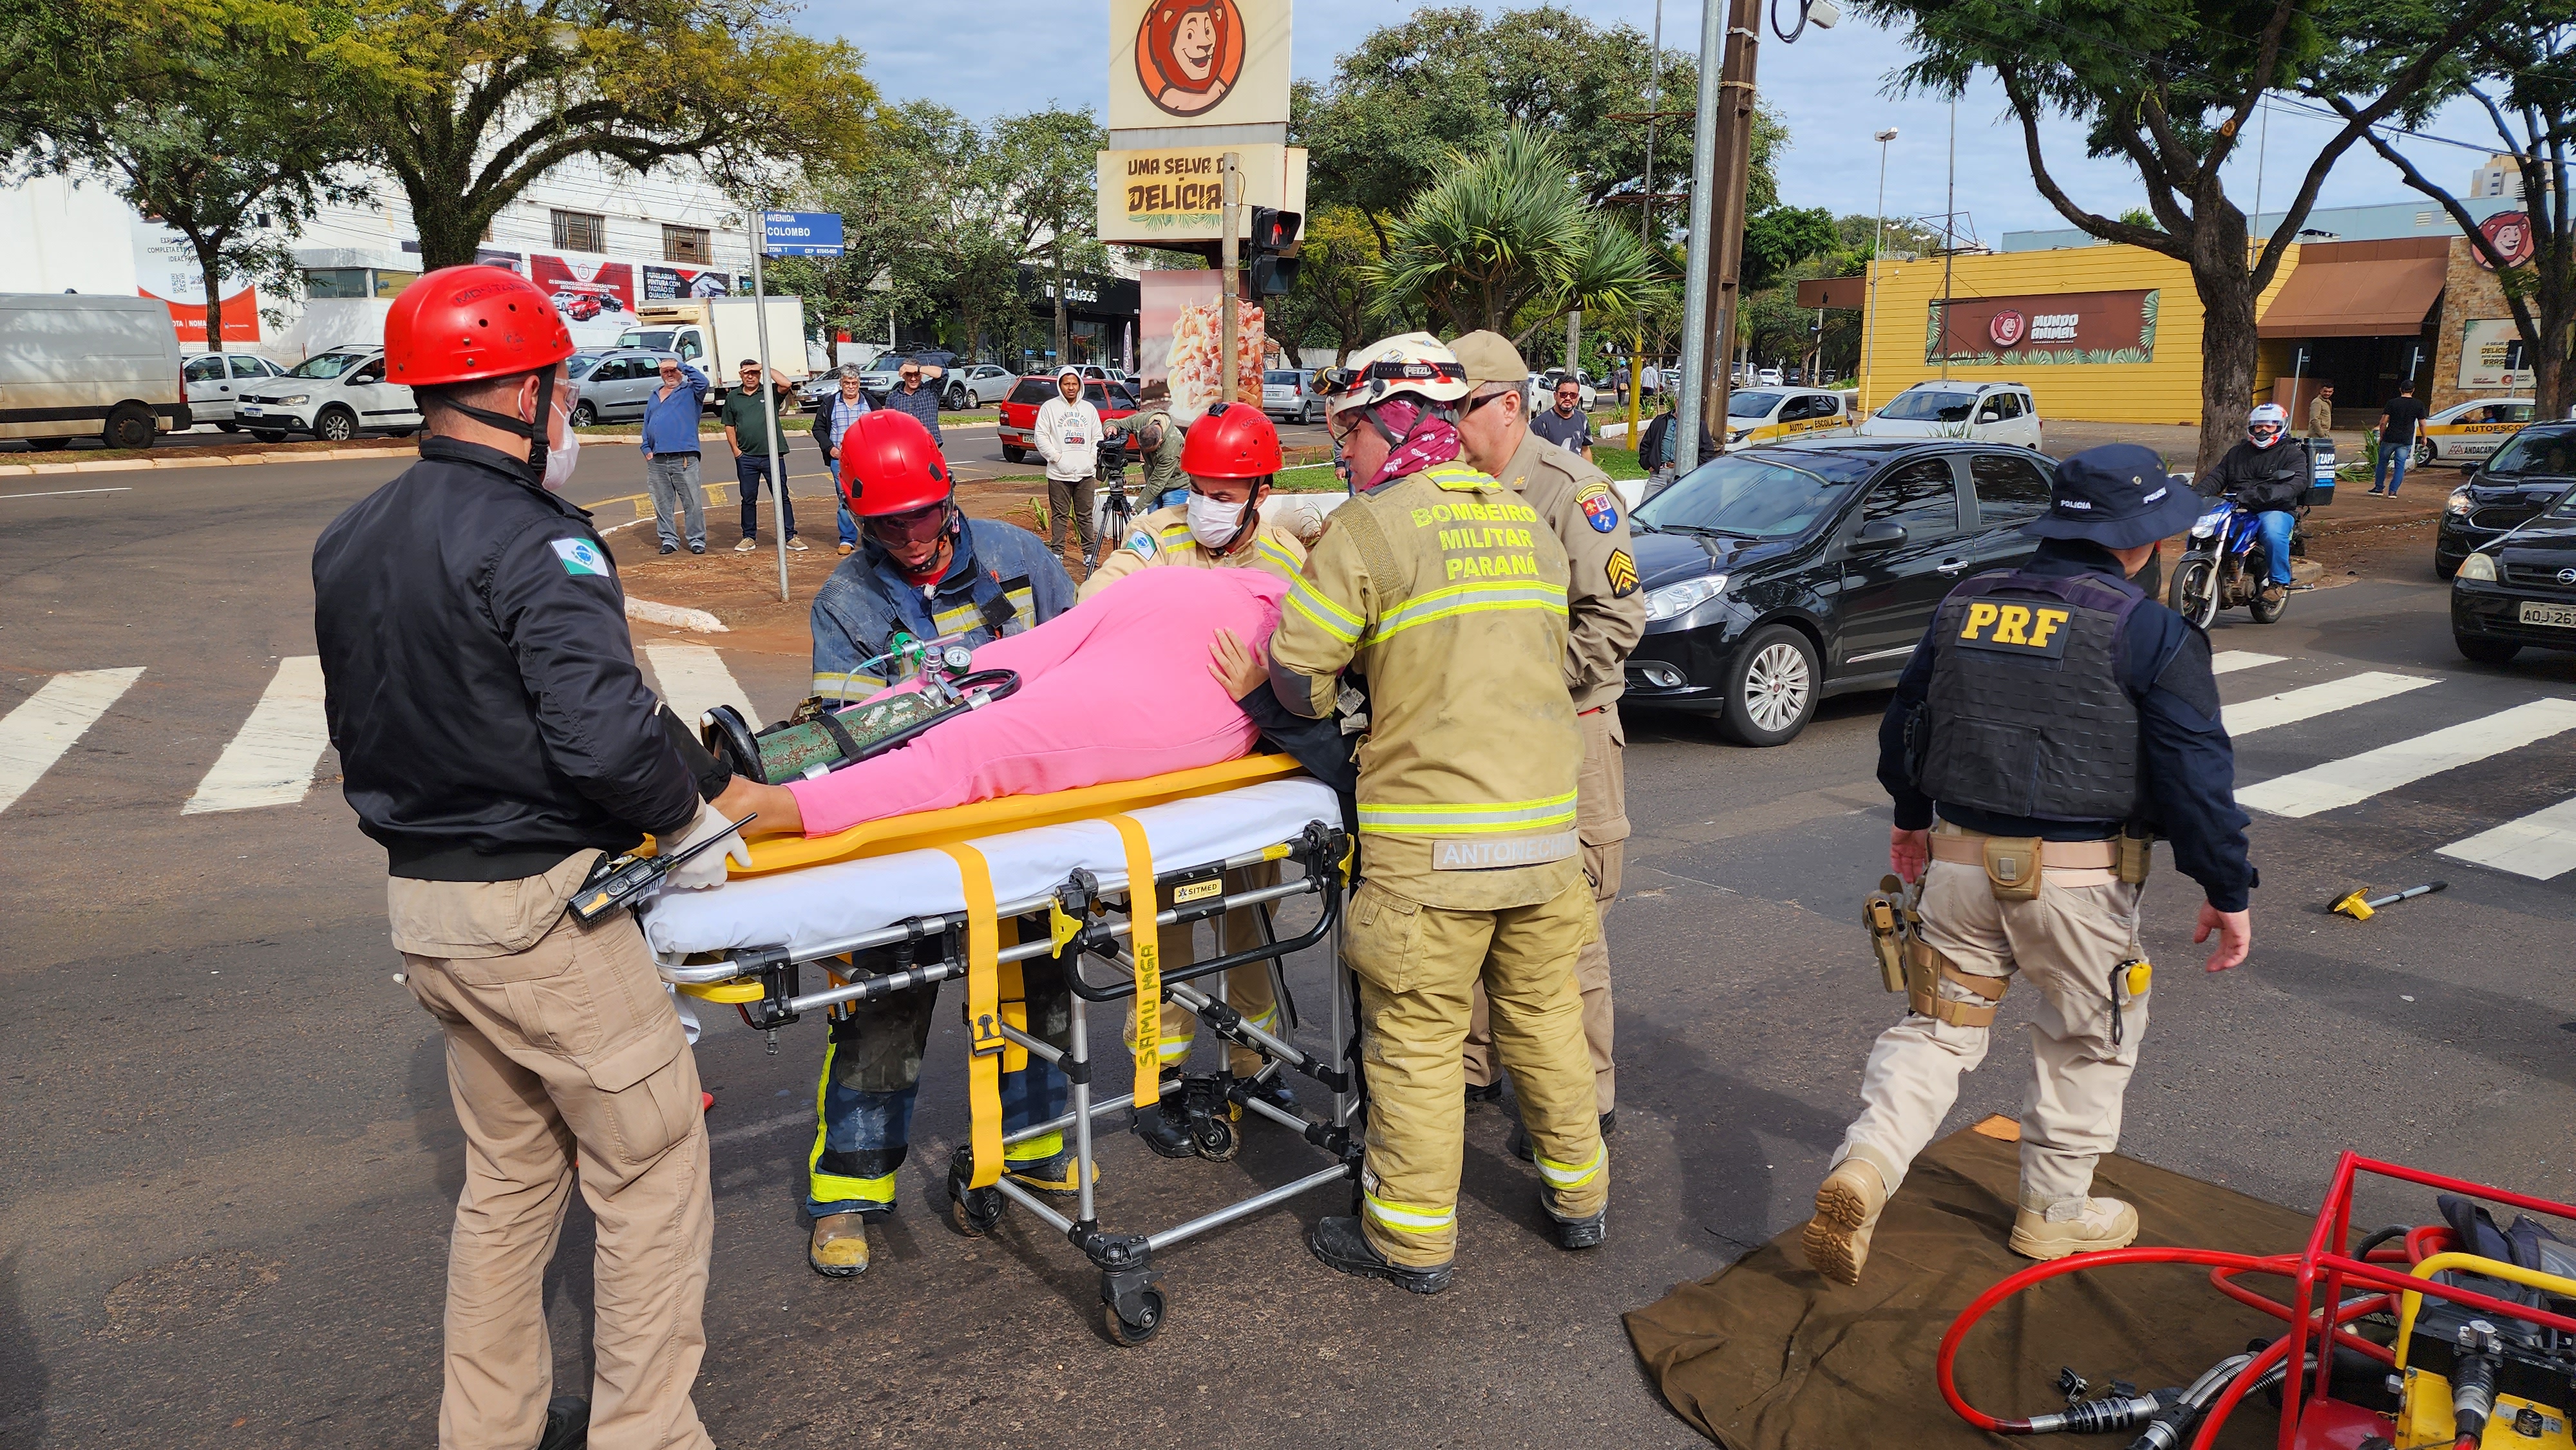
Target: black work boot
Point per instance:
(1340, 1243)
(1155, 1124)
(1583, 1233)
(1491, 1092)
(567, 1423)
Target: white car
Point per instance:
(2459, 435)
(1288, 395)
(1755, 416)
(215, 381)
(1983, 412)
(1767, 378)
(333, 395)
(1587, 395)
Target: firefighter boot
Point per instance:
(1340, 1243)
(2044, 1230)
(1165, 1129)
(1836, 1242)
(839, 1249)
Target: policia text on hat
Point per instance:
(2051, 719)
(496, 738)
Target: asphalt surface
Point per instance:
(224, 1201)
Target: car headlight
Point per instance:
(1675, 600)
(2480, 567)
(2461, 502)
(296, 399)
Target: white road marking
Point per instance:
(2229, 661)
(2339, 783)
(2540, 845)
(694, 679)
(271, 758)
(2291, 706)
(68, 492)
(35, 735)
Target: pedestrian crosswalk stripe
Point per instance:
(2229, 661)
(270, 760)
(2291, 706)
(35, 735)
(694, 679)
(2338, 783)
(2540, 845)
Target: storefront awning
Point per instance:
(2358, 289)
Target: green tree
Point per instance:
(1778, 239)
(2521, 70)
(2168, 86)
(1041, 171)
(514, 88)
(1502, 240)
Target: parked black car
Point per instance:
(2526, 475)
(1782, 574)
(2521, 590)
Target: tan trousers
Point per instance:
(1601, 818)
(1417, 965)
(1247, 988)
(567, 1065)
(2067, 944)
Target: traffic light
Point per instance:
(1272, 257)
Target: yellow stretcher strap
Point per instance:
(985, 1043)
(1146, 942)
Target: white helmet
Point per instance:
(1409, 362)
(2269, 425)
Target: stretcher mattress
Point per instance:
(809, 908)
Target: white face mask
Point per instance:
(1214, 524)
(561, 459)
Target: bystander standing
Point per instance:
(1566, 425)
(671, 414)
(2397, 419)
(1067, 434)
(2321, 411)
(746, 424)
(832, 419)
(916, 391)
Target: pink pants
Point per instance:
(1117, 688)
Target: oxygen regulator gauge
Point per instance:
(956, 657)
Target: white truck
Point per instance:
(717, 333)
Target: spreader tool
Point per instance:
(2362, 907)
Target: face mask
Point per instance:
(1214, 524)
(561, 460)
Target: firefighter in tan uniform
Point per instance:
(1606, 615)
(1229, 456)
(1447, 592)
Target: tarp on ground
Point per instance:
(1768, 1355)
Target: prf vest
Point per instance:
(2027, 714)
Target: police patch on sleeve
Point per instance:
(1600, 507)
(581, 557)
(1622, 572)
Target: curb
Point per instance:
(676, 616)
(219, 460)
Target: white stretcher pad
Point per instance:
(818, 905)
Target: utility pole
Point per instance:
(1646, 230)
(1725, 138)
(1696, 352)
(1230, 257)
(1949, 237)
(768, 395)
(1877, 264)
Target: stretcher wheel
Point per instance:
(974, 1212)
(1214, 1138)
(1148, 1322)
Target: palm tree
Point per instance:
(1505, 241)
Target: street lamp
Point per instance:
(1877, 260)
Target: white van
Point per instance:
(1985, 412)
(78, 366)
(332, 395)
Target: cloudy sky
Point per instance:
(994, 57)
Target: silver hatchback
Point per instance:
(613, 385)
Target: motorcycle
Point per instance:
(2225, 566)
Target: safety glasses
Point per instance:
(1474, 403)
(920, 526)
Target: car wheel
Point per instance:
(2194, 592)
(1771, 690)
(1014, 453)
(2479, 650)
(955, 401)
(1306, 415)
(129, 425)
(269, 435)
(2422, 457)
(584, 415)
(336, 425)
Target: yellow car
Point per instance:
(2464, 433)
(1755, 416)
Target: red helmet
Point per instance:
(464, 324)
(1231, 440)
(890, 466)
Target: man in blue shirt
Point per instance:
(671, 414)
(916, 391)
(832, 420)
(2051, 722)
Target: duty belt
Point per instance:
(2075, 863)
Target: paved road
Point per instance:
(223, 1204)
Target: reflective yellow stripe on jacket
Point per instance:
(1410, 1218)
(1472, 598)
(1483, 818)
(1324, 614)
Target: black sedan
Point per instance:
(2513, 485)
(2520, 590)
(1782, 574)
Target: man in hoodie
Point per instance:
(1067, 435)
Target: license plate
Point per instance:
(247, 410)
(2560, 616)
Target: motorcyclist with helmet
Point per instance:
(2269, 473)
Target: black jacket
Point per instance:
(479, 681)
(2262, 479)
(2187, 776)
(1654, 447)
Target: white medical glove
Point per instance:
(707, 868)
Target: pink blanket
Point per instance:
(1116, 688)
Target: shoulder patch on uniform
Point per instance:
(581, 557)
(1622, 572)
(1141, 544)
(1600, 508)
